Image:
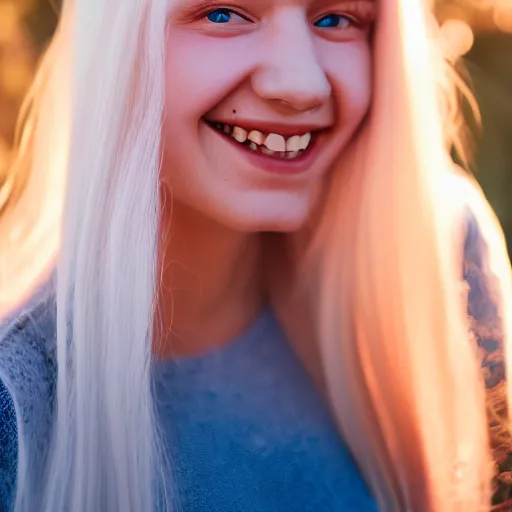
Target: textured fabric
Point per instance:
(244, 426)
(8, 449)
(28, 372)
(247, 432)
(486, 328)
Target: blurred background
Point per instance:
(26, 26)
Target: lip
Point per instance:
(270, 127)
(299, 165)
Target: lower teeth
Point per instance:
(283, 155)
(267, 151)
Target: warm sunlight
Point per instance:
(19, 51)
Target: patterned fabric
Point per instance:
(487, 332)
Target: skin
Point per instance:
(277, 62)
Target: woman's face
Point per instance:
(261, 98)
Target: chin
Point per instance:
(277, 219)
(253, 211)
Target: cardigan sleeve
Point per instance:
(487, 276)
(8, 450)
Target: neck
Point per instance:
(210, 286)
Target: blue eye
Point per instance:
(220, 16)
(333, 21)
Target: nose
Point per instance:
(290, 72)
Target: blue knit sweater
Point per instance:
(246, 429)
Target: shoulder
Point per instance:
(27, 385)
(487, 274)
(27, 377)
(27, 345)
(483, 233)
(27, 338)
(28, 356)
(488, 277)
(484, 246)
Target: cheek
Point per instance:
(350, 71)
(201, 71)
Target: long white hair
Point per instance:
(403, 379)
(105, 453)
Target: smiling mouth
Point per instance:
(272, 145)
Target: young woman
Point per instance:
(259, 299)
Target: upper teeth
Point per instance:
(272, 141)
(254, 136)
